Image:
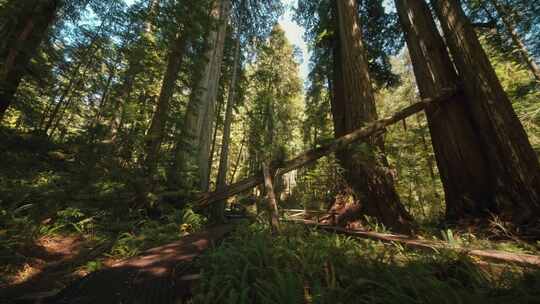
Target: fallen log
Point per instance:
(308, 157)
(526, 260)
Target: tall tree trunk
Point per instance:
(512, 31)
(29, 29)
(219, 208)
(463, 168)
(157, 127)
(514, 164)
(209, 85)
(353, 106)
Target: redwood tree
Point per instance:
(515, 178)
(29, 22)
(463, 168)
(353, 105)
(221, 182)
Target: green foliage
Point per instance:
(69, 220)
(274, 100)
(146, 233)
(308, 266)
(93, 266)
(409, 150)
(522, 89)
(525, 16)
(317, 185)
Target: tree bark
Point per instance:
(516, 38)
(157, 127)
(31, 23)
(353, 106)
(219, 208)
(515, 178)
(209, 85)
(272, 207)
(463, 167)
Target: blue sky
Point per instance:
(295, 34)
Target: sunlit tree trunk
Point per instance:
(353, 105)
(271, 200)
(462, 164)
(219, 208)
(516, 38)
(515, 178)
(209, 86)
(31, 22)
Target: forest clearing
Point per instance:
(269, 151)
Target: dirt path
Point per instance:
(160, 275)
(52, 263)
(45, 251)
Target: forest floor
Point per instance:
(65, 213)
(48, 265)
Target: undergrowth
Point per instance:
(307, 266)
(49, 190)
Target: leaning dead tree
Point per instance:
(273, 213)
(371, 129)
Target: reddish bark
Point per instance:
(27, 32)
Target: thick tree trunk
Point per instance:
(514, 165)
(462, 165)
(516, 38)
(197, 111)
(31, 23)
(272, 206)
(219, 208)
(157, 127)
(353, 106)
(209, 84)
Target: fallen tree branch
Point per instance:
(311, 156)
(526, 260)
